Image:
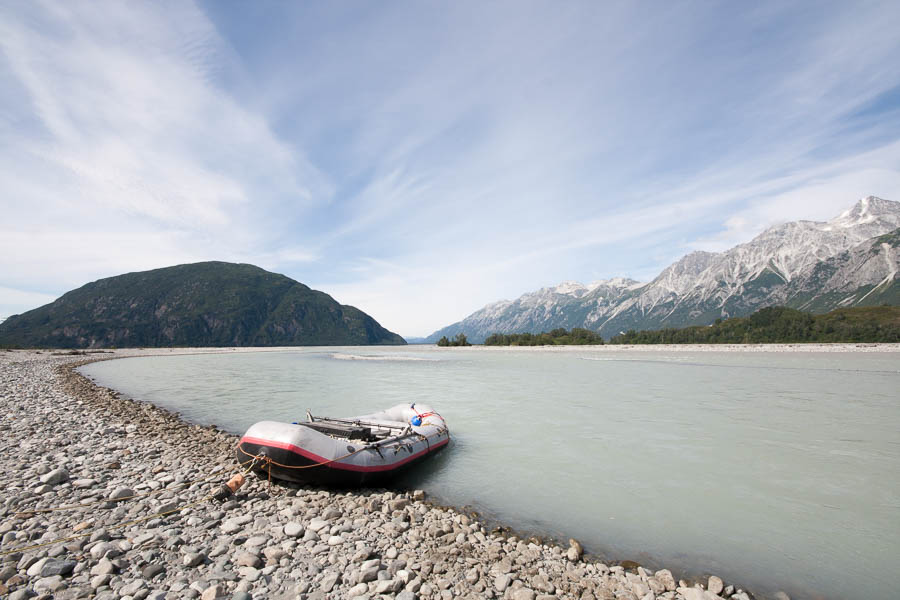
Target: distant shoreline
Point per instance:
(793, 347)
(814, 347)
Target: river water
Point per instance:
(773, 470)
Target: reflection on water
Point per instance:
(770, 470)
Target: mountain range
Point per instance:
(851, 260)
(200, 304)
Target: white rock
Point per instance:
(274, 553)
(247, 559)
(329, 581)
(387, 586)
(122, 492)
(104, 567)
(502, 581)
(523, 594)
(318, 524)
(132, 588)
(399, 504)
(256, 541)
(212, 592)
(695, 593)
(100, 549)
(664, 576)
(35, 569)
(48, 584)
(358, 590)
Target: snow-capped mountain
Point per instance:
(565, 305)
(807, 264)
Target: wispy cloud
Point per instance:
(117, 134)
(421, 160)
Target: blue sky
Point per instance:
(419, 160)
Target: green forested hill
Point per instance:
(201, 304)
(557, 337)
(783, 325)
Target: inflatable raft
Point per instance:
(355, 451)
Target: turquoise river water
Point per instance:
(773, 470)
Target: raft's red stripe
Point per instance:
(339, 465)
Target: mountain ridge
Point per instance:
(777, 265)
(199, 304)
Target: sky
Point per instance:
(419, 160)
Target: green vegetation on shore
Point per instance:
(774, 325)
(557, 337)
(781, 325)
(458, 340)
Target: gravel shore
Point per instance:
(68, 443)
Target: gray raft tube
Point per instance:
(367, 450)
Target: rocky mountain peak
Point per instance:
(682, 275)
(694, 263)
(815, 265)
(570, 288)
(867, 210)
(615, 282)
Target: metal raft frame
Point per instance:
(354, 429)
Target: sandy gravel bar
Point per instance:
(66, 442)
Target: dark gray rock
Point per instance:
(7, 572)
(58, 567)
(152, 570)
(22, 594)
(56, 476)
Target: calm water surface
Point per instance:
(772, 470)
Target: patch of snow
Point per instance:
(570, 288)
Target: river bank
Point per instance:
(67, 441)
